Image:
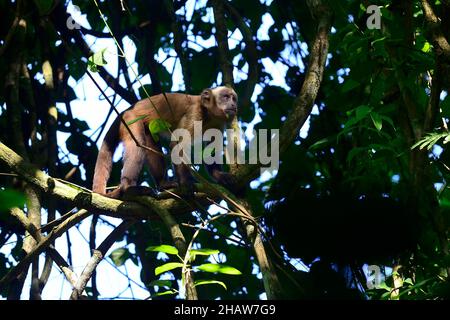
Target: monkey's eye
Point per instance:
(227, 96)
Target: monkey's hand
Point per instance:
(165, 185)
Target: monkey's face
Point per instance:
(221, 102)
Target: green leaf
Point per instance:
(416, 286)
(362, 111)
(321, 143)
(408, 281)
(447, 139)
(156, 126)
(220, 268)
(204, 252)
(163, 248)
(384, 286)
(386, 295)
(444, 203)
(10, 198)
(349, 85)
(120, 256)
(426, 47)
(203, 282)
(430, 140)
(161, 283)
(165, 293)
(353, 152)
(167, 267)
(388, 120)
(136, 120)
(377, 121)
(97, 59)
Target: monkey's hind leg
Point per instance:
(133, 161)
(156, 165)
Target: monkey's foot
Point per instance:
(131, 191)
(165, 185)
(135, 191)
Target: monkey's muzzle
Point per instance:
(231, 111)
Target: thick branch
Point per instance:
(84, 198)
(439, 41)
(251, 54)
(304, 102)
(178, 39)
(222, 42)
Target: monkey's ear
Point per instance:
(206, 97)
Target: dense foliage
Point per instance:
(350, 193)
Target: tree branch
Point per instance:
(222, 42)
(97, 256)
(42, 245)
(178, 39)
(251, 54)
(56, 257)
(59, 17)
(83, 198)
(304, 102)
(438, 39)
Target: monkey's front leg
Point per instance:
(185, 180)
(133, 160)
(182, 172)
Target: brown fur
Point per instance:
(214, 107)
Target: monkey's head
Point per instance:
(220, 102)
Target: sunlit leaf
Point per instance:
(320, 144)
(164, 293)
(156, 126)
(426, 46)
(167, 267)
(97, 59)
(204, 252)
(219, 268)
(163, 248)
(120, 256)
(377, 121)
(203, 282)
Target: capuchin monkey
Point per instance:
(214, 107)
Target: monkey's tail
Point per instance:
(103, 166)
